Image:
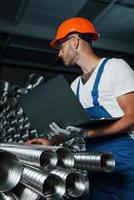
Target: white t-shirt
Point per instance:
(117, 79)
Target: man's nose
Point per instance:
(59, 54)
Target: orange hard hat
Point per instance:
(76, 24)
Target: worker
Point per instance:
(106, 90)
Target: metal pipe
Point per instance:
(10, 171)
(40, 158)
(25, 193)
(103, 162)
(28, 194)
(120, 3)
(8, 196)
(45, 184)
(74, 181)
(103, 13)
(65, 156)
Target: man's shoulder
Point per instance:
(117, 61)
(118, 64)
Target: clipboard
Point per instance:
(54, 101)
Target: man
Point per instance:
(105, 90)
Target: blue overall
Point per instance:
(118, 185)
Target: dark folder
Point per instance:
(54, 101)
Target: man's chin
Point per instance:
(68, 64)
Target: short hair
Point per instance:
(84, 36)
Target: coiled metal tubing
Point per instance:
(8, 196)
(74, 181)
(10, 171)
(99, 161)
(25, 193)
(36, 157)
(45, 184)
(65, 156)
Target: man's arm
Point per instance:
(124, 124)
(126, 102)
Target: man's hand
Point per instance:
(77, 132)
(38, 141)
(69, 133)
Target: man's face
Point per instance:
(66, 52)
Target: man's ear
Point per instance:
(76, 42)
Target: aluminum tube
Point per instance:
(101, 161)
(25, 193)
(8, 196)
(46, 159)
(28, 194)
(10, 171)
(65, 156)
(74, 181)
(45, 184)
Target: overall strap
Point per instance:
(78, 89)
(96, 83)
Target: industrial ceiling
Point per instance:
(27, 27)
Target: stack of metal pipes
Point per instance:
(39, 172)
(14, 124)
